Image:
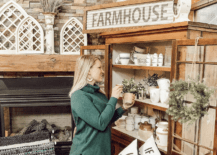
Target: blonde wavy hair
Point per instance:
(82, 67)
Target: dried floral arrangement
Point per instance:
(178, 106)
(152, 80)
(51, 5)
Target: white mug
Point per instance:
(163, 83)
(164, 95)
(123, 58)
(155, 95)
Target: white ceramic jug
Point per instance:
(162, 134)
(155, 95)
(164, 95)
(163, 83)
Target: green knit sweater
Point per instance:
(93, 113)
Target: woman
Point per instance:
(92, 111)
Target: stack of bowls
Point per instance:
(130, 123)
(121, 122)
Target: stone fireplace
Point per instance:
(37, 98)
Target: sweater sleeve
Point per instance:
(118, 113)
(84, 108)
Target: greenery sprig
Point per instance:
(180, 110)
(129, 86)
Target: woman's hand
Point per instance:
(116, 91)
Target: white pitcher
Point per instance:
(164, 95)
(155, 95)
(163, 83)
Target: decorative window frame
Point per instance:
(2, 10)
(41, 32)
(62, 38)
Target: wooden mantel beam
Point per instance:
(37, 63)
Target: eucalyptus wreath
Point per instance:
(185, 112)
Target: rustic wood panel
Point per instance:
(209, 35)
(151, 37)
(207, 131)
(37, 63)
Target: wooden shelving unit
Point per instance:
(123, 40)
(163, 68)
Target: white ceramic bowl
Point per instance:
(124, 58)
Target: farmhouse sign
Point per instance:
(152, 13)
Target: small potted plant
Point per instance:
(129, 90)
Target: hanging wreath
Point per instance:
(182, 111)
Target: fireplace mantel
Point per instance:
(37, 63)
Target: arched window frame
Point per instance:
(41, 36)
(62, 39)
(2, 10)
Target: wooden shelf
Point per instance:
(158, 106)
(166, 69)
(148, 103)
(134, 134)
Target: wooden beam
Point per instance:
(93, 47)
(37, 63)
(151, 37)
(202, 3)
(201, 42)
(145, 29)
(197, 62)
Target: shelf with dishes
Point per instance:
(133, 66)
(134, 134)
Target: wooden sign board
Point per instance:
(127, 15)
